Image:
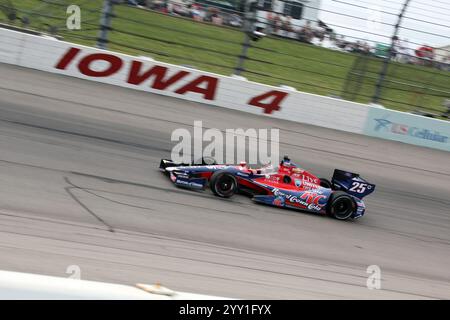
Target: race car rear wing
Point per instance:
(167, 163)
(351, 183)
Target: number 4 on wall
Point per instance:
(269, 101)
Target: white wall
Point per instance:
(44, 54)
(27, 286)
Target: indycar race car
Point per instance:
(288, 186)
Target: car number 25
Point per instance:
(358, 187)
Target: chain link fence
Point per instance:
(393, 53)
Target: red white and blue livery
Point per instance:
(288, 186)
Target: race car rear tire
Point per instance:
(325, 183)
(341, 206)
(223, 184)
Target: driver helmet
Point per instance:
(286, 161)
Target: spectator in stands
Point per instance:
(217, 20)
(208, 15)
(277, 23)
(158, 5)
(270, 26)
(319, 33)
(365, 48)
(306, 33)
(340, 41)
(425, 55)
(168, 7)
(287, 24)
(350, 47)
(215, 16)
(196, 12)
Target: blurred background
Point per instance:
(393, 53)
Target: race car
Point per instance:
(288, 186)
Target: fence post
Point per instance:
(243, 55)
(248, 26)
(105, 24)
(387, 59)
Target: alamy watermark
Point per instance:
(374, 280)
(225, 146)
(74, 272)
(73, 21)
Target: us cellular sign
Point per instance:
(403, 129)
(408, 128)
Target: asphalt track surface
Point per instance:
(79, 185)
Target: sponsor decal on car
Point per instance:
(310, 185)
(278, 201)
(189, 183)
(242, 174)
(272, 178)
(310, 200)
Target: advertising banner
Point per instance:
(408, 128)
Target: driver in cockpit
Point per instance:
(286, 162)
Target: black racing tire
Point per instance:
(341, 206)
(325, 183)
(223, 184)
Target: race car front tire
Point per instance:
(223, 184)
(341, 206)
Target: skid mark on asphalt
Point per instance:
(191, 193)
(85, 207)
(91, 191)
